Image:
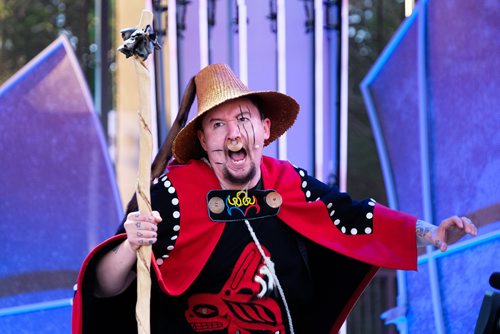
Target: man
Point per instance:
(244, 243)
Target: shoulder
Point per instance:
(186, 183)
(164, 197)
(165, 200)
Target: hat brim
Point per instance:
(281, 109)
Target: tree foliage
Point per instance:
(372, 23)
(27, 27)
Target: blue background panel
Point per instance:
(57, 320)
(394, 92)
(433, 102)
(58, 195)
(462, 290)
(463, 81)
(420, 309)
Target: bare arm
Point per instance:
(114, 271)
(449, 231)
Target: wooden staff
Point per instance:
(137, 46)
(142, 308)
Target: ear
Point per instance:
(266, 124)
(201, 138)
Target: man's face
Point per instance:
(233, 136)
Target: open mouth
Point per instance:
(238, 156)
(236, 151)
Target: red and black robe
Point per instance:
(325, 246)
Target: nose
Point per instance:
(233, 130)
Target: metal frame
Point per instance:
(425, 157)
(318, 91)
(203, 28)
(172, 60)
(243, 41)
(281, 55)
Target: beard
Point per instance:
(243, 179)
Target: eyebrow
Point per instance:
(240, 113)
(244, 112)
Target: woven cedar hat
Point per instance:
(216, 84)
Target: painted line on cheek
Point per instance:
(253, 131)
(246, 132)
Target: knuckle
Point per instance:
(133, 214)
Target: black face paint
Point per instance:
(253, 130)
(241, 116)
(245, 128)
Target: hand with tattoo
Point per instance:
(141, 228)
(448, 232)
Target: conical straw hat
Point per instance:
(216, 84)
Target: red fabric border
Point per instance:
(77, 311)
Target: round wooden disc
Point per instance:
(216, 205)
(274, 200)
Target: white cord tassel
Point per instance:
(270, 265)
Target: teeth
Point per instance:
(235, 145)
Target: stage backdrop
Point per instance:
(58, 196)
(433, 100)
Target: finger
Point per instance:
(441, 234)
(142, 216)
(139, 225)
(466, 219)
(467, 225)
(470, 228)
(141, 239)
(474, 230)
(145, 226)
(458, 222)
(145, 242)
(156, 216)
(441, 245)
(146, 234)
(450, 222)
(135, 215)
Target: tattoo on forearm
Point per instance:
(424, 236)
(422, 229)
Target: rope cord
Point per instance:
(269, 263)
